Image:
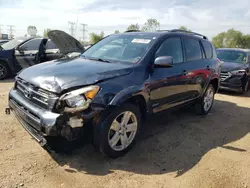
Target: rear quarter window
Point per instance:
(208, 49)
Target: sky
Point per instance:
(208, 17)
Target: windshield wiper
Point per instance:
(99, 59)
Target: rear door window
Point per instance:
(208, 49)
(192, 49)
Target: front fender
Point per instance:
(7, 57)
(127, 93)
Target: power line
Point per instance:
(72, 28)
(11, 30)
(83, 29)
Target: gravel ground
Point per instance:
(177, 149)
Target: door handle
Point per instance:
(184, 73)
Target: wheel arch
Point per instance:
(215, 84)
(133, 95)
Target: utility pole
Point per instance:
(11, 30)
(83, 30)
(72, 28)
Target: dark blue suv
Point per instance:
(113, 85)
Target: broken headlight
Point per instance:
(79, 99)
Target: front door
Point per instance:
(26, 53)
(167, 86)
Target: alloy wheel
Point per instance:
(208, 99)
(122, 131)
(3, 71)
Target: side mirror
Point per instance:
(163, 61)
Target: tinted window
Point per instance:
(31, 45)
(50, 45)
(208, 49)
(171, 47)
(193, 49)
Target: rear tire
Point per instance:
(116, 134)
(4, 71)
(204, 105)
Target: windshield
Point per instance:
(232, 56)
(127, 48)
(12, 44)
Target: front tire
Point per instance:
(117, 133)
(206, 102)
(245, 88)
(4, 71)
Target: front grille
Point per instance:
(225, 75)
(37, 95)
(35, 118)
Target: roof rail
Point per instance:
(132, 31)
(163, 30)
(190, 32)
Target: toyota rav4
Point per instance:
(113, 85)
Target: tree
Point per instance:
(218, 40)
(117, 31)
(95, 37)
(133, 27)
(233, 38)
(32, 31)
(184, 28)
(246, 41)
(230, 39)
(151, 25)
(45, 32)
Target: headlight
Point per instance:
(76, 101)
(79, 99)
(238, 72)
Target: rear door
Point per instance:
(26, 53)
(167, 86)
(198, 65)
(51, 51)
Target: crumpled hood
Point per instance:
(65, 42)
(56, 76)
(230, 66)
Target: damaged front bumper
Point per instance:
(41, 123)
(37, 121)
